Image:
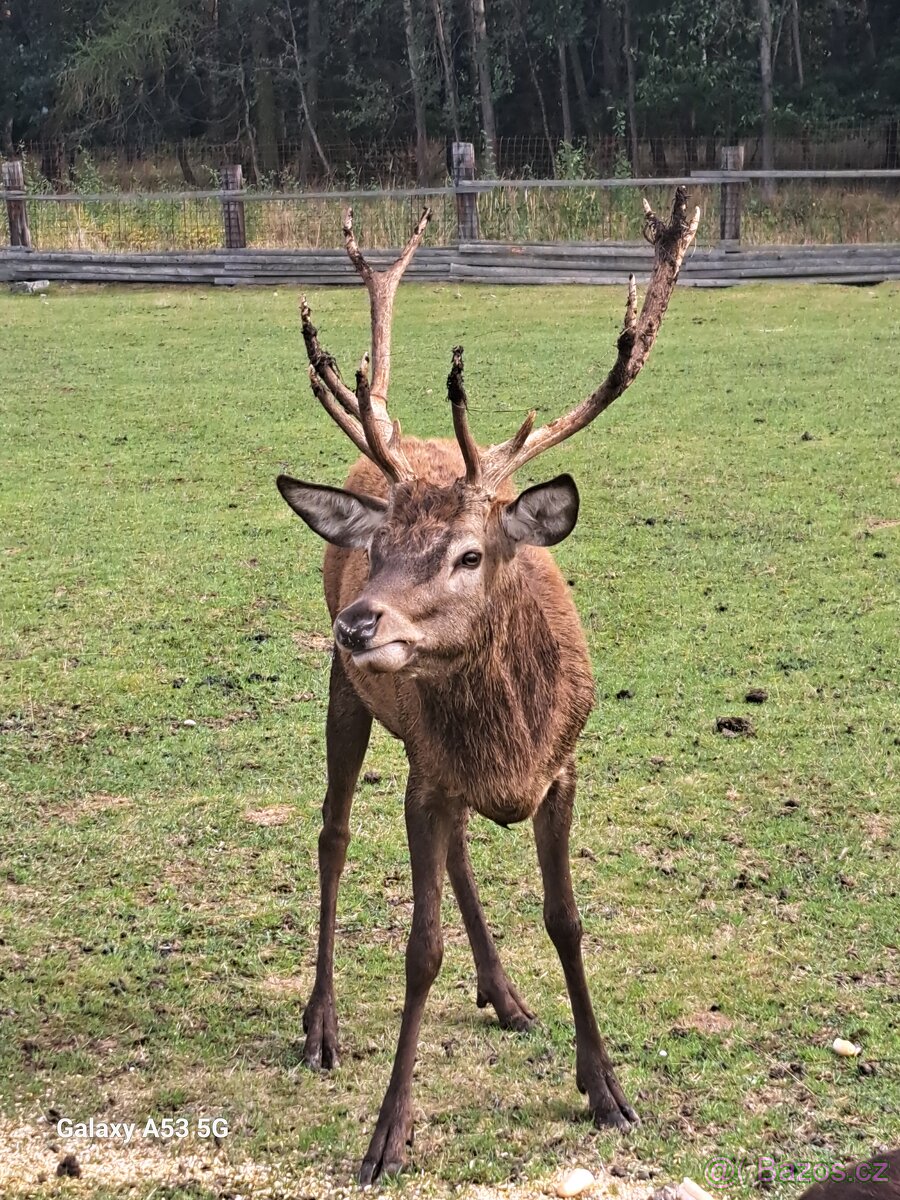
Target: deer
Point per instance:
(875, 1178)
(454, 629)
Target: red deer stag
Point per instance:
(455, 629)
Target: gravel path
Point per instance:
(31, 1154)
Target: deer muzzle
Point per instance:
(368, 633)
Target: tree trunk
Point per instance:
(184, 162)
(892, 145)
(610, 40)
(869, 56)
(658, 155)
(838, 33)
(584, 102)
(536, 83)
(447, 68)
(564, 92)
(309, 137)
(483, 63)
(309, 91)
(248, 128)
(216, 91)
(631, 107)
(9, 148)
(765, 77)
(55, 163)
(264, 110)
(795, 42)
(415, 75)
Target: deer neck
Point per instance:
(505, 686)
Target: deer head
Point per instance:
(441, 556)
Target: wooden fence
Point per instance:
(469, 258)
(481, 262)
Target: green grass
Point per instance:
(739, 529)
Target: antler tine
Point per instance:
(382, 434)
(670, 240)
(459, 403)
(382, 287)
(351, 411)
(386, 451)
(363, 369)
(324, 365)
(347, 423)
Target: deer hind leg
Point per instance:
(347, 729)
(429, 830)
(494, 985)
(594, 1070)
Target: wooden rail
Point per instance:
(474, 262)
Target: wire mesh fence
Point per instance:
(822, 211)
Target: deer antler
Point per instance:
(363, 414)
(670, 240)
(459, 403)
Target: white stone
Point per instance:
(576, 1182)
(844, 1048)
(689, 1190)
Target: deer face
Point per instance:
(435, 554)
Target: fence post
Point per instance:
(233, 210)
(14, 181)
(732, 195)
(466, 202)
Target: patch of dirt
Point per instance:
(94, 804)
(305, 639)
(32, 1154)
(704, 1021)
(882, 523)
(284, 985)
(879, 827)
(48, 725)
(275, 814)
(763, 1099)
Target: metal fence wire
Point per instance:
(825, 209)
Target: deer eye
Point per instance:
(471, 558)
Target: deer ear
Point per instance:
(342, 518)
(544, 514)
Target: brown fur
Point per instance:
(495, 727)
(877, 1178)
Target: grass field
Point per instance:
(740, 529)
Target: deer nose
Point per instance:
(355, 626)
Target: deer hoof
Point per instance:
(615, 1116)
(320, 1051)
(512, 1011)
(387, 1150)
(609, 1108)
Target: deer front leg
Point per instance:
(594, 1071)
(429, 829)
(347, 730)
(494, 985)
